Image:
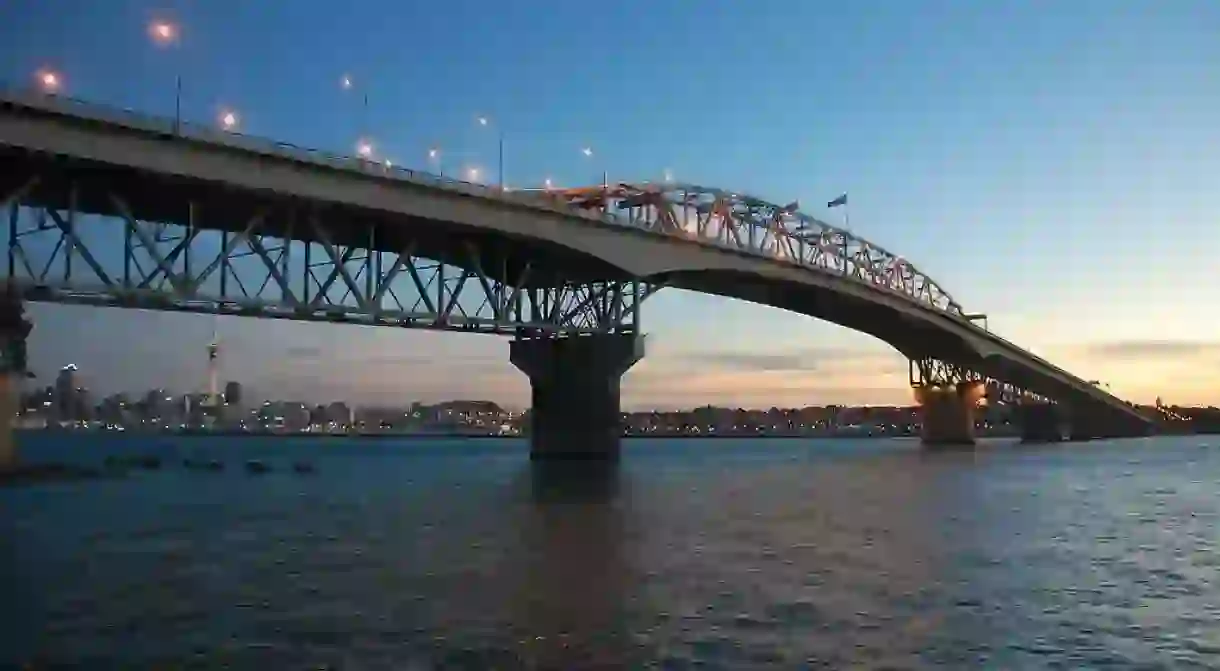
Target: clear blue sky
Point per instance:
(1054, 164)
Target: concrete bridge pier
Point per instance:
(574, 383)
(10, 395)
(947, 415)
(1040, 422)
(1094, 426)
(14, 329)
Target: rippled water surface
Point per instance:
(401, 554)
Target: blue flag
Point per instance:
(841, 200)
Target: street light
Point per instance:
(588, 152)
(434, 160)
(472, 174)
(165, 34)
(228, 120)
(546, 183)
(346, 83)
(364, 148)
(49, 81)
(484, 121)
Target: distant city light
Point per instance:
(49, 81)
(163, 32)
(228, 120)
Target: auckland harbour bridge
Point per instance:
(111, 208)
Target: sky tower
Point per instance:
(213, 390)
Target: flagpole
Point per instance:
(842, 201)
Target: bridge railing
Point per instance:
(209, 134)
(195, 131)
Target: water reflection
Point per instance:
(573, 586)
(800, 554)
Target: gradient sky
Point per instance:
(1053, 164)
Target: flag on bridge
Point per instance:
(841, 200)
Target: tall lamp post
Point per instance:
(165, 34)
(484, 122)
(364, 146)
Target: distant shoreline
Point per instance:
(389, 435)
(467, 436)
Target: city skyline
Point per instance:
(1055, 196)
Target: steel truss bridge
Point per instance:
(110, 208)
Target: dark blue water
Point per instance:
(696, 554)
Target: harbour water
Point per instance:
(712, 554)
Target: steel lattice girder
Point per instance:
(68, 255)
(936, 373)
(778, 232)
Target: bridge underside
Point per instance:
(98, 233)
(921, 341)
(81, 232)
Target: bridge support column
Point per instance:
(14, 328)
(574, 384)
(1091, 426)
(1040, 422)
(947, 415)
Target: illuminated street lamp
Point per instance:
(228, 120)
(472, 174)
(347, 83)
(546, 183)
(434, 160)
(484, 121)
(588, 152)
(49, 81)
(365, 149)
(165, 34)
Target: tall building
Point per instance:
(64, 402)
(233, 393)
(213, 390)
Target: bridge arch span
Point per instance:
(747, 225)
(777, 256)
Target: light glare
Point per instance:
(163, 32)
(49, 81)
(228, 120)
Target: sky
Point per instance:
(1052, 164)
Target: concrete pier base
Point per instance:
(574, 384)
(947, 416)
(10, 396)
(1086, 426)
(1040, 423)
